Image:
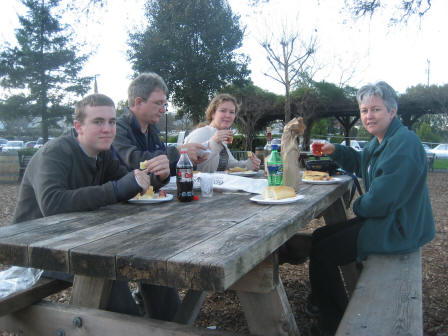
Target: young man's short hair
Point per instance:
(96, 99)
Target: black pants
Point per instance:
(160, 302)
(332, 246)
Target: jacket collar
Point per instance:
(393, 128)
(136, 126)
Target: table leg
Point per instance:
(269, 313)
(91, 292)
(336, 213)
(264, 300)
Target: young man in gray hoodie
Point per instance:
(80, 173)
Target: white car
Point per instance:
(440, 151)
(13, 146)
(40, 142)
(353, 144)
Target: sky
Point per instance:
(356, 51)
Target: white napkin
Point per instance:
(234, 183)
(226, 182)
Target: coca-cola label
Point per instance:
(184, 175)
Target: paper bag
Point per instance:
(290, 152)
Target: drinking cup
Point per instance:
(230, 139)
(316, 147)
(206, 182)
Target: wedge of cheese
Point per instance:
(278, 192)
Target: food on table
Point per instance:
(149, 194)
(236, 170)
(313, 175)
(278, 192)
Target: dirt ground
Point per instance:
(223, 310)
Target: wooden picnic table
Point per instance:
(214, 244)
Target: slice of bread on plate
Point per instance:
(278, 192)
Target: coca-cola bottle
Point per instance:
(184, 178)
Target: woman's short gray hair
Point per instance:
(144, 85)
(379, 89)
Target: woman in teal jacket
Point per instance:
(393, 215)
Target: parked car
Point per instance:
(30, 144)
(362, 143)
(426, 148)
(353, 144)
(3, 142)
(13, 146)
(440, 151)
(40, 142)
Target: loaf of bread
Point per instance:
(278, 192)
(313, 175)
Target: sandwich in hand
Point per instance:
(278, 192)
(313, 175)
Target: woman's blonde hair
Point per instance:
(218, 100)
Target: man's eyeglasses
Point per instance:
(159, 104)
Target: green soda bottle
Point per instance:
(275, 168)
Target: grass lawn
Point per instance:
(441, 164)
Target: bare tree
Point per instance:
(406, 9)
(289, 59)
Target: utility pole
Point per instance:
(427, 70)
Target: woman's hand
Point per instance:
(222, 135)
(255, 162)
(320, 148)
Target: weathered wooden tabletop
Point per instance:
(206, 245)
(214, 244)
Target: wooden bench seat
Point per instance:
(21, 299)
(47, 318)
(387, 299)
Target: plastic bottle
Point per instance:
(184, 178)
(275, 168)
(267, 150)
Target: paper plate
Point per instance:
(333, 180)
(259, 199)
(168, 197)
(244, 173)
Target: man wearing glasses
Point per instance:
(137, 137)
(138, 140)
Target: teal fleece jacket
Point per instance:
(396, 205)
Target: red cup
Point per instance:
(316, 147)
